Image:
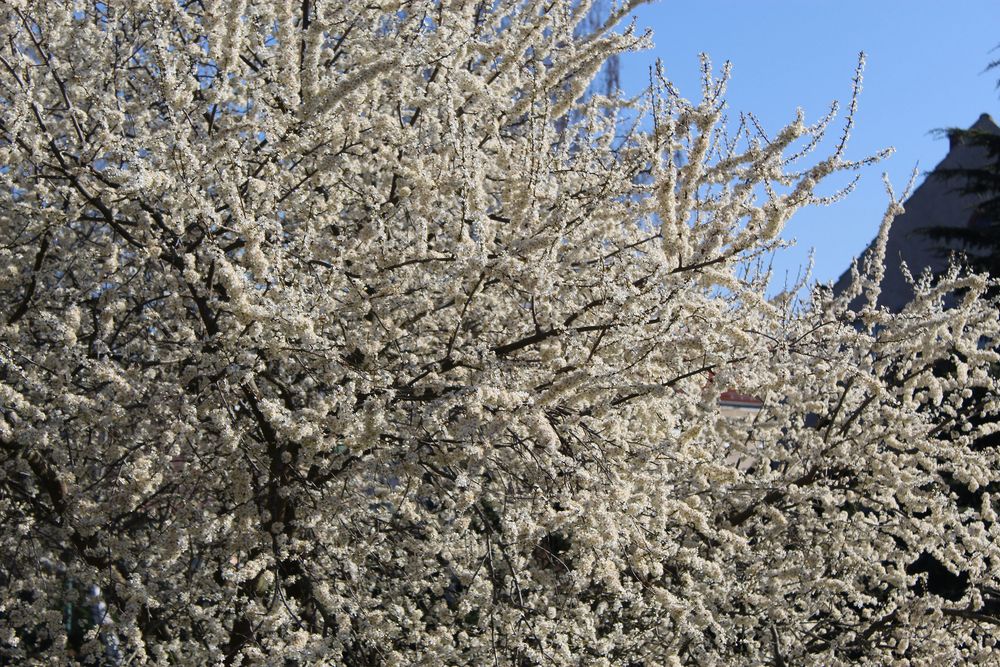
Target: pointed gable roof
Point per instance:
(935, 203)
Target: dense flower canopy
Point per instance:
(355, 333)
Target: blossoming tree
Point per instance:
(350, 332)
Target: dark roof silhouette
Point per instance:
(937, 202)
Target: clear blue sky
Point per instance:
(925, 71)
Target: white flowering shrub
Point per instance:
(353, 333)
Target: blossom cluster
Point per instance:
(360, 333)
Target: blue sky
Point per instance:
(925, 71)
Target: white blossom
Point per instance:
(359, 333)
